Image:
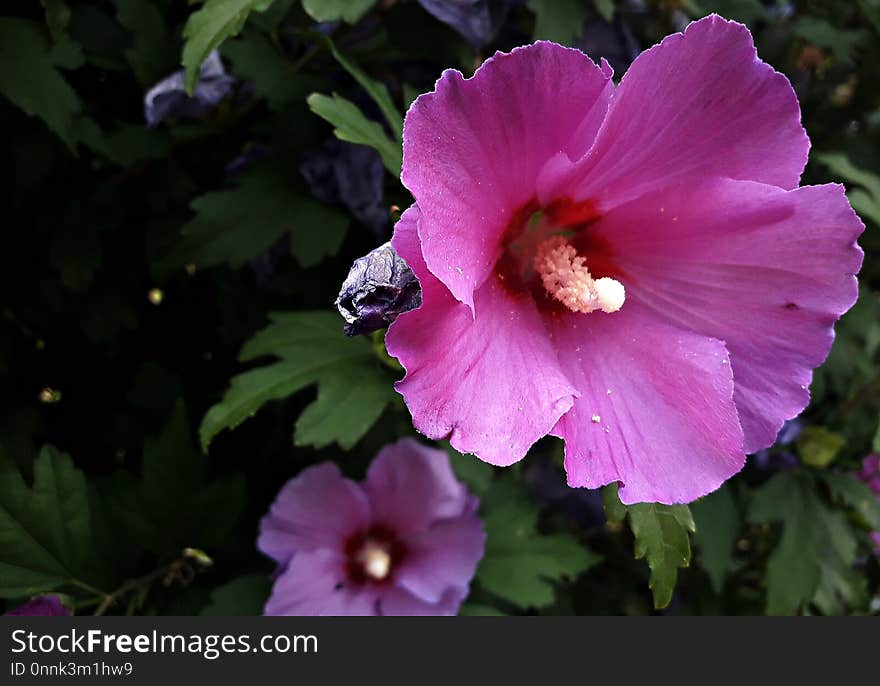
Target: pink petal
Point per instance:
(314, 584)
(411, 486)
(699, 103)
(441, 558)
(398, 602)
(765, 270)
(492, 383)
(473, 148)
(319, 508)
(655, 412)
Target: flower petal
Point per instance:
(493, 383)
(319, 508)
(765, 270)
(398, 602)
(441, 558)
(314, 584)
(656, 410)
(699, 103)
(412, 486)
(472, 150)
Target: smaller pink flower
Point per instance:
(405, 541)
(41, 606)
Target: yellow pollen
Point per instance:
(376, 561)
(565, 276)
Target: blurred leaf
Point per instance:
(151, 44)
(561, 21)
(243, 596)
(312, 349)
(376, 90)
(875, 444)
(29, 77)
(236, 225)
(45, 530)
(126, 144)
(476, 474)
(520, 564)
(255, 58)
(615, 511)
(817, 446)
(57, 17)
(745, 11)
(476, 610)
(349, 11)
(350, 124)
(661, 537)
(842, 42)
(209, 26)
(605, 8)
(718, 525)
(855, 494)
(866, 199)
(175, 505)
(871, 10)
(816, 546)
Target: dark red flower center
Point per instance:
(554, 254)
(372, 556)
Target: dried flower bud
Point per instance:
(380, 286)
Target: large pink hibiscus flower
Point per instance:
(633, 269)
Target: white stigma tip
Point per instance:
(596, 419)
(376, 562)
(565, 276)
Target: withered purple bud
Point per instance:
(380, 287)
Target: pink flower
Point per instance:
(41, 606)
(405, 542)
(632, 269)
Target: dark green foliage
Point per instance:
(170, 355)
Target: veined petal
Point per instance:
(472, 150)
(767, 271)
(698, 104)
(491, 383)
(656, 409)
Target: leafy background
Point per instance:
(170, 355)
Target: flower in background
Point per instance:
(379, 288)
(41, 606)
(870, 475)
(632, 269)
(783, 459)
(169, 99)
(350, 175)
(548, 488)
(406, 541)
(477, 21)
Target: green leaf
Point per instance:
(241, 597)
(476, 610)
(151, 44)
(234, 226)
(842, 42)
(57, 17)
(208, 27)
(871, 10)
(615, 511)
(817, 446)
(865, 199)
(376, 90)
(476, 474)
(312, 350)
(255, 58)
(816, 546)
(45, 530)
(661, 537)
(29, 77)
(561, 21)
(349, 11)
(850, 491)
(175, 505)
(745, 11)
(718, 525)
(520, 564)
(350, 124)
(605, 8)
